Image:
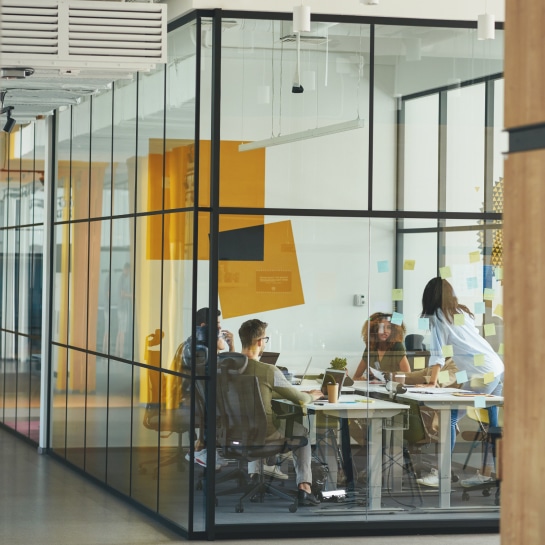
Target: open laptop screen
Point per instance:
(269, 357)
(338, 376)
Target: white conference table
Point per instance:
(444, 403)
(375, 411)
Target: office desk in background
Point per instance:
(444, 403)
(376, 412)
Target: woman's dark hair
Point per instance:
(439, 294)
(369, 332)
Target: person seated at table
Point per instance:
(273, 384)
(384, 348)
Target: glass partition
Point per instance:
(337, 176)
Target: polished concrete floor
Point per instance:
(43, 502)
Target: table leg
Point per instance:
(444, 459)
(375, 463)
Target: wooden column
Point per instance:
(523, 446)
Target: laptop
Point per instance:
(338, 375)
(269, 357)
(298, 381)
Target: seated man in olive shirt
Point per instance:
(273, 384)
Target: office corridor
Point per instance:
(43, 502)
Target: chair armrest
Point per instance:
(288, 411)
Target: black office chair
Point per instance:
(243, 429)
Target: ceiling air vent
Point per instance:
(76, 34)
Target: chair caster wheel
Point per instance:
(465, 496)
(293, 508)
(239, 509)
(454, 478)
(486, 491)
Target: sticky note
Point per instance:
(488, 377)
(459, 319)
(498, 311)
(447, 351)
(397, 294)
(383, 266)
(397, 318)
(423, 323)
(474, 257)
(498, 273)
(419, 363)
(478, 360)
(445, 272)
(443, 376)
(489, 330)
(461, 377)
(488, 294)
(408, 265)
(479, 307)
(501, 349)
(472, 283)
(480, 402)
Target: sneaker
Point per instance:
(274, 471)
(200, 459)
(430, 480)
(476, 480)
(307, 498)
(220, 460)
(282, 457)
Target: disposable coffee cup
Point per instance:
(400, 377)
(333, 393)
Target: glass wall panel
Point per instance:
(151, 144)
(80, 162)
(59, 403)
(323, 116)
(75, 412)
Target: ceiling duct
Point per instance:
(77, 46)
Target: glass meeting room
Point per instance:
(316, 183)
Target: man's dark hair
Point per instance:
(203, 316)
(250, 331)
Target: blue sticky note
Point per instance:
(472, 283)
(382, 266)
(479, 307)
(461, 377)
(397, 318)
(480, 402)
(424, 323)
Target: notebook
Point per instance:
(298, 381)
(269, 357)
(338, 375)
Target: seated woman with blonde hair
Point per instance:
(384, 348)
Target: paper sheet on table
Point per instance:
(433, 390)
(376, 374)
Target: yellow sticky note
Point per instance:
(498, 311)
(447, 351)
(488, 377)
(498, 273)
(443, 376)
(408, 264)
(397, 294)
(445, 272)
(488, 294)
(478, 359)
(489, 330)
(459, 319)
(419, 363)
(501, 349)
(474, 257)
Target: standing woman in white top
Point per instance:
(440, 305)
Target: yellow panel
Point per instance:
(249, 287)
